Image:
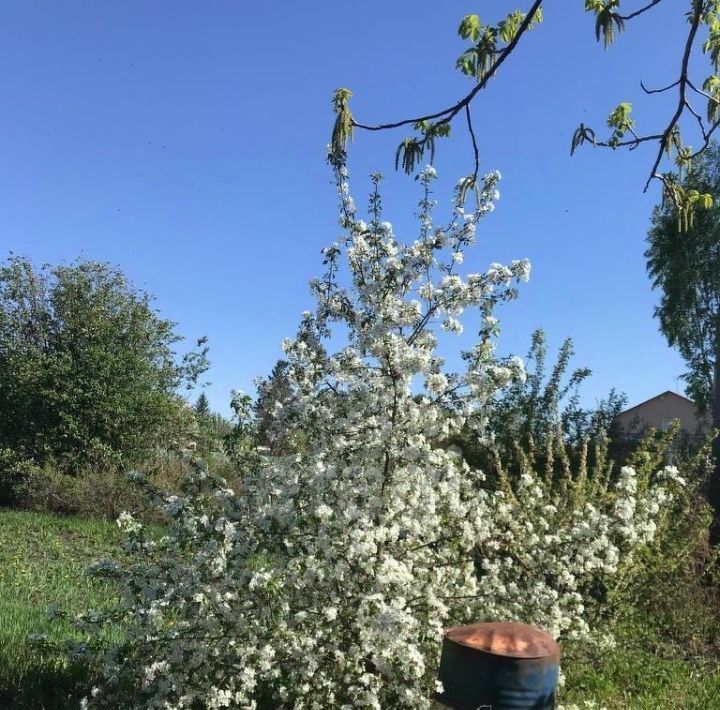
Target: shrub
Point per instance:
(88, 370)
(327, 578)
(537, 421)
(96, 493)
(676, 575)
(14, 472)
(107, 492)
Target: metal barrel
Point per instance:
(499, 666)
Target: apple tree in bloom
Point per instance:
(328, 577)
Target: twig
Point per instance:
(647, 7)
(468, 116)
(658, 91)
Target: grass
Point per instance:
(643, 672)
(42, 562)
(668, 658)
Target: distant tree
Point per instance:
(685, 267)
(241, 441)
(212, 427)
(202, 406)
(272, 392)
(88, 370)
(274, 395)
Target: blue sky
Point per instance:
(184, 142)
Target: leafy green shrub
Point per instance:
(14, 472)
(105, 493)
(96, 493)
(88, 370)
(537, 423)
(676, 578)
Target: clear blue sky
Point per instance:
(184, 142)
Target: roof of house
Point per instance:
(658, 396)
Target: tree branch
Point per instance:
(699, 119)
(708, 137)
(700, 91)
(449, 113)
(647, 7)
(474, 140)
(664, 141)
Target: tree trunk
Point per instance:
(714, 487)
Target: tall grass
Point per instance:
(42, 562)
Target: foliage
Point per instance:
(211, 427)
(537, 420)
(242, 441)
(685, 267)
(14, 472)
(665, 614)
(645, 671)
(88, 370)
(92, 493)
(326, 579)
(477, 60)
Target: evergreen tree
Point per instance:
(202, 406)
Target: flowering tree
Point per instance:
(328, 579)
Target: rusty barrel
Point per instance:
(499, 665)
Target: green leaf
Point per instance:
(606, 19)
(467, 62)
(711, 86)
(711, 45)
(507, 28)
(620, 119)
(470, 27)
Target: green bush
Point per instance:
(104, 493)
(676, 579)
(14, 472)
(537, 422)
(89, 374)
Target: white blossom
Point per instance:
(327, 578)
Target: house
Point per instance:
(659, 412)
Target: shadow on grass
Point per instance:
(43, 682)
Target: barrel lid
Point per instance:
(505, 638)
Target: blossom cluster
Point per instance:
(328, 578)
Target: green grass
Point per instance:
(666, 659)
(642, 674)
(42, 562)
